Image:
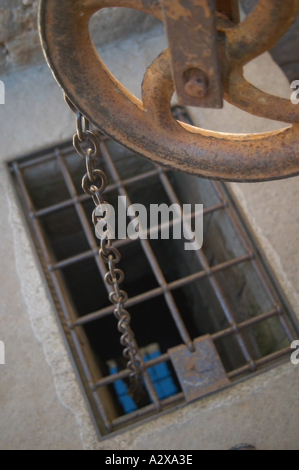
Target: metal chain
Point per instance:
(108, 253)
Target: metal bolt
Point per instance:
(197, 83)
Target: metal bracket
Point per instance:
(201, 372)
(192, 40)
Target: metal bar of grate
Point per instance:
(147, 410)
(160, 290)
(125, 373)
(260, 362)
(101, 265)
(214, 283)
(57, 207)
(229, 331)
(84, 197)
(83, 219)
(151, 257)
(37, 161)
(119, 243)
(259, 272)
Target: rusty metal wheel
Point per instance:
(148, 127)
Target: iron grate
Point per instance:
(235, 328)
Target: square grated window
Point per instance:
(217, 312)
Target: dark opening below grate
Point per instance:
(225, 290)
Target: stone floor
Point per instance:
(41, 406)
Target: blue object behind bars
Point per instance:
(160, 375)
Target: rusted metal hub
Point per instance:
(208, 47)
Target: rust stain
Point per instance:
(175, 10)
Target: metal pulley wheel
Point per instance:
(208, 47)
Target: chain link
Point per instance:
(108, 253)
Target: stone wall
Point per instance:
(20, 47)
(19, 40)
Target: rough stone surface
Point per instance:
(29, 406)
(22, 51)
(17, 17)
(256, 413)
(41, 403)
